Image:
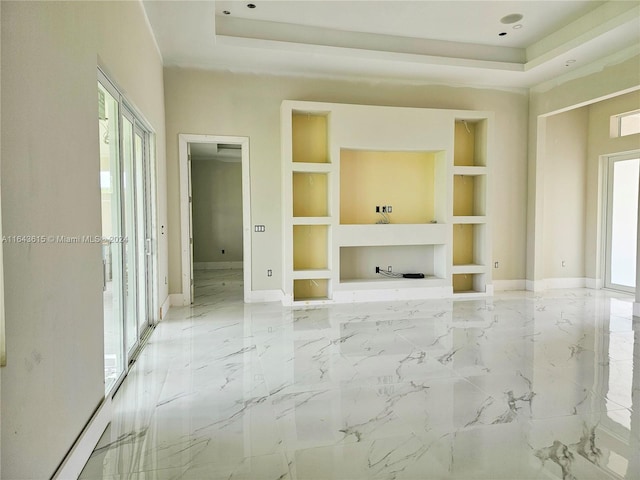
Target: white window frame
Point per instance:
(615, 129)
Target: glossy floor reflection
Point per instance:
(518, 386)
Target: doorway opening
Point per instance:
(622, 179)
(215, 207)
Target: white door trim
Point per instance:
(183, 141)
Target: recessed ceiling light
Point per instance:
(511, 18)
(517, 27)
(251, 5)
(502, 34)
(569, 62)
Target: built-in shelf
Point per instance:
(311, 274)
(310, 289)
(360, 262)
(407, 181)
(470, 142)
(468, 283)
(426, 169)
(470, 219)
(309, 137)
(469, 195)
(310, 192)
(310, 250)
(471, 171)
(468, 268)
(469, 244)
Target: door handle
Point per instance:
(104, 275)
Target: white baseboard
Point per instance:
(262, 296)
(177, 300)
(594, 283)
(217, 265)
(636, 309)
(76, 459)
(509, 285)
(556, 283)
(164, 309)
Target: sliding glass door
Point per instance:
(622, 221)
(127, 186)
(108, 120)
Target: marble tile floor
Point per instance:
(518, 386)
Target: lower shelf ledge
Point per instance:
(311, 274)
(354, 293)
(385, 282)
(468, 268)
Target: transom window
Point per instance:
(625, 124)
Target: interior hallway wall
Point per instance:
(217, 210)
(223, 103)
(54, 378)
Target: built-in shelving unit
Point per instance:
(308, 229)
(402, 189)
(470, 243)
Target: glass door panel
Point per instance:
(130, 266)
(623, 223)
(108, 116)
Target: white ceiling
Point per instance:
(427, 41)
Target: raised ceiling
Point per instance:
(426, 41)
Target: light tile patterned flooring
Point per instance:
(518, 386)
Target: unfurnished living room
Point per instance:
(302, 239)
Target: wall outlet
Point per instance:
(389, 269)
(377, 269)
(389, 209)
(223, 251)
(377, 208)
(384, 209)
(260, 228)
(269, 273)
(495, 265)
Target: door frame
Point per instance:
(607, 168)
(184, 140)
(133, 115)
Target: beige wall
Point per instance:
(217, 211)
(220, 103)
(54, 377)
(565, 171)
(609, 80)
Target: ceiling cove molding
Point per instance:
(318, 36)
(619, 17)
(383, 56)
